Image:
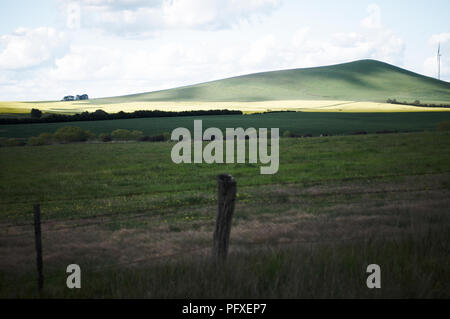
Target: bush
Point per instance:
(36, 114)
(42, 139)
(155, 138)
(35, 141)
(100, 115)
(46, 138)
(90, 136)
(287, 133)
(359, 133)
(121, 135)
(166, 136)
(145, 138)
(444, 126)
(126, 135)
(69, 134)
(136, 135)
(105, 137)
(13, 142)
(392, 101)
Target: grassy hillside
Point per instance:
(365, 80)
(360, 86)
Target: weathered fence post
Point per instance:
(38, 240)
(226, 199)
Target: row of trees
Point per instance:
(416, 103)
(100, 115)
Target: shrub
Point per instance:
(42, 139)
(145, 138)
(287, 133)
(136, 135)
(359, 133)
(444, 126)
(90, 135)
(392, 101)
(121, 135)
(35, 141)
(126, 135)
(47, 138)
(166, 136)
(14, 142)
(99, 115)
(104, 137)
(69, 134)
(157, 138)
(36, 114)
(386, 132)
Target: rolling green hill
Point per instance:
(355, 87)
(365, 80)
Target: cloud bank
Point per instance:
(116, 47)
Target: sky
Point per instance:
(53, 48)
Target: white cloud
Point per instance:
(261, 52)
(341, 47)
(189, 13)
(29, 47)
(107, 63)
(73, 15)
(138, 17)
(300, 36)
(373, 20)
(439, 38)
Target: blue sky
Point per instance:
(52, 48)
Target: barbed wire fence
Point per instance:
(218, 250)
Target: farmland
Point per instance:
(359, 86)
(296, 122)
(140, 225)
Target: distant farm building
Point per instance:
(78, 97)
(82, 97)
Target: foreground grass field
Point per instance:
(296, 122)
(141, 226)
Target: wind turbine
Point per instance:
(439, 61)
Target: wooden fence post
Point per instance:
(38, 240)
(226, 199)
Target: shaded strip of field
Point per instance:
(296, 122)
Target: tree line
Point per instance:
(100, 115)
(416, 103)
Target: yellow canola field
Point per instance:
(246, 107)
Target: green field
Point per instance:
(298, 122)
(141, 226)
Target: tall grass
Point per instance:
(412, 266)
